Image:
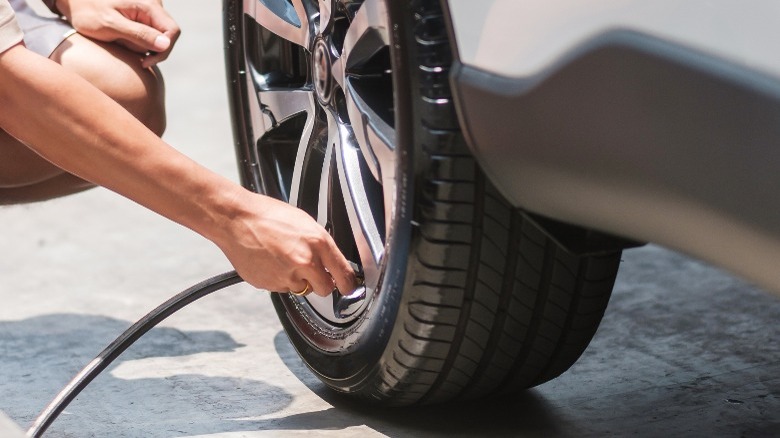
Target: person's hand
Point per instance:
(280, 248)
(142, 26)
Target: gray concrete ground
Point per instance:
(685, 349)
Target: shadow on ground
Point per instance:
(692, 352)
(527, 413)
(39, 355)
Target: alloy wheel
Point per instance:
(323, 125)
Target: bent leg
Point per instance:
(25, 176)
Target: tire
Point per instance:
(354, 122)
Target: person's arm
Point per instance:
(70, 123)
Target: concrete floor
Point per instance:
(684, 350)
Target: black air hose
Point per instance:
(125, 340)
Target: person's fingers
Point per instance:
(141, 38)
(162, 21)
(320, 280)
(154, 58)
(340, 270)
(146, 27)
(282, 248)
(157, 17)
(301, 290)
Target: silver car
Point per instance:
(484, 163)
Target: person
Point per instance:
(64, 134)
(95, 37)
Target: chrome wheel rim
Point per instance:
(322, 116)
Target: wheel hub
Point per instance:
(323, 79)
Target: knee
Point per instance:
(139, 90)
(143, 95)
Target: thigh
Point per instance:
(113, 69)
(20, 166)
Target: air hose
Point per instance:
(121, 343)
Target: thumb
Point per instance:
(144, 37)
(161, 43)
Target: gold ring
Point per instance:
(306, 291)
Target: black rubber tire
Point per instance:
(476, 299)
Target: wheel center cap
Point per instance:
(321, 74)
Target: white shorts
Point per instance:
(41, 34)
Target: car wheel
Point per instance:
(343, 108)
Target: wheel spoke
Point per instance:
(324, 194)
(367, 34)
(375, 137)
(338, 71)
(280, 104)
(326, 8)
(261, 123)
(300, 157)
(290, 21)
(360, 205)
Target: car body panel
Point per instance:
(652, 133)
(518, 38)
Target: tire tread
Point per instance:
(495, 304)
